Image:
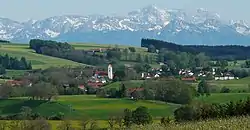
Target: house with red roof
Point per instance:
(95, 84)
(19, 82)
(189, 79)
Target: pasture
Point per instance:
(38, 61)
(77, 107)
(128, 84)
(42, 62)
(223, 97)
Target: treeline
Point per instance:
(129, 54)
(209, 111)
(27, 119)
(7, 62)
(65, 51)
(47, 84)
(180, 60)
(4, 41)
(64, 81)
(173, 91)
(228, 52)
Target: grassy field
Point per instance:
(89, 46)
(128, 84)
(42, 61)
(37, 60)
(86, 106)
(235, 86)
(102, 108)
(223, 97)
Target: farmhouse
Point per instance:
(95, 85)
(82, 87)
(225, 76)
(19, 83)
(189, 79)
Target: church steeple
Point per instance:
(110, 72)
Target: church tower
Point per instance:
(110, 72)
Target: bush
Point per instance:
(210, 111)
(184, 113)
(131, 49)
(141, 116)
(165, 121)
(58, 116)
(225, 90)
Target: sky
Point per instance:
(23, 10)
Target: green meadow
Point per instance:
(38, 61)
(77, 107)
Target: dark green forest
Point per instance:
(4, 41)
(65, 51)
(227, 52)
(7, 62)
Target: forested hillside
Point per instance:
(227, 52)
(63, 50)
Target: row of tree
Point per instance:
(201, 111)
(29, 120)
(13, 63)
(48, 83)
(65, 51)
(181, 60)
(174, 91)
(40, 91)
(129, 54)
(228, 52)
(4, 41)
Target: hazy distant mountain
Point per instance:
(201, 27)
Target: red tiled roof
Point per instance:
(81, 87)
(14, 82)
(189, 79)
(101, 73)
(95, 85)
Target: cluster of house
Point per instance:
(100, 78)
(153, 73)
(93, 51)
(188, 75)
(18, 83)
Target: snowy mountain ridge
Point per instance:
(201, 27)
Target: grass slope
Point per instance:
(42, 61)
(223, 97)
(86, 106)
(128, 84)
(37, 60)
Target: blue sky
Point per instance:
(22, 10)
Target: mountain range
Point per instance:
(173, 25)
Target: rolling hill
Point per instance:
(81, 106)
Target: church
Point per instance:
(110, 72)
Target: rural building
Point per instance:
(225, 76)
(19, 83)
(189, 79)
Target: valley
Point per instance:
(76, 86)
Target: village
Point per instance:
(102, 78)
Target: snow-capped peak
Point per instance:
(148, 21)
